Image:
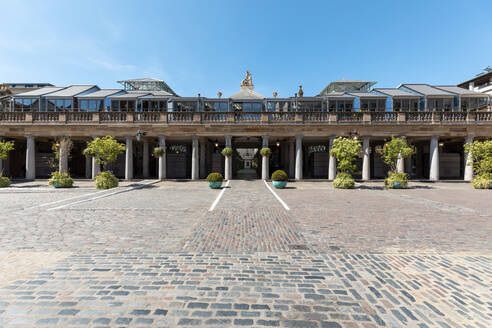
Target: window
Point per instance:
(397, 105)
(221, 107)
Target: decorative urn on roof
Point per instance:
(300, 93)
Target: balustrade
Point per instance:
(484, 116)
(244, 117)
(45, 116)
(112, 116)
(12, 116)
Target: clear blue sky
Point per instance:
(206, 46)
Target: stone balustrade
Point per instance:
(329, 118)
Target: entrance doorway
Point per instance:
(247, 163)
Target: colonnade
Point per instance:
(198, 153)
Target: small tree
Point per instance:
(481, 159)
(5, 148)
(393, 150)
(105, 150)
(345, 151)
(481, 156)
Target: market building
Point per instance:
(145, 113)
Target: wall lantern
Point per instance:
(354, 134)
(216, 143)
(140, 134)
(277, 143)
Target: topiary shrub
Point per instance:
(4, 181)
(344, 181)
(215, 177)
(106, 180)
(482, 181)
(265, 152)
(396, 180)
(227, 152)
(279, 175)
(60, 180)
(158, 152)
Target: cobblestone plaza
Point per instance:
(152, 253)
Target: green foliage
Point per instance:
(345, 151)
(344, 181)
(279, 175)
(265, 152)
(393, 149)
(105, 150)
(215, 177)
(4, 181)
(483, 181)
(106, 180)
(227, 152)
(396, 180)
(481, 156)
(158, 152)
(5, 148)
(60, 180)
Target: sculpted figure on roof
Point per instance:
(248, 81)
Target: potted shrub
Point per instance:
(481, 159)
(279, 179)
(215, 180)
(394, 150)
(345, 151)
(60, 180)
(5, 148)
(226, 152)
(105, 150)
(158, 152)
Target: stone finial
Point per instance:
(274, 94)
(301, 93)
(219, 94)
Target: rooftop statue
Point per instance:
(247, 81)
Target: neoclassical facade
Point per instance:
(145, 113)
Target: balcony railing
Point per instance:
(245, 117)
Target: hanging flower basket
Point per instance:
(227, 152)
(158, 152)
(265, 152)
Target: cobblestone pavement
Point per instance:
(156, 256)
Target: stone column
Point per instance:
(203, 163)
(88, 167)
(434, 158)
(162, 170)
(366, 159)
(265, 160)
(298, 157)
(63, 156)
(129, 159)
(145, 160)
(31, 158)
(468, 161)
(400, 165)
(1, 161)
(228, 159)
(292, 158)
(332, 164)
(194, 159)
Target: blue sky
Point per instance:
(206, 46)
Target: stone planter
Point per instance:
(279, 184)
(215, 185)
